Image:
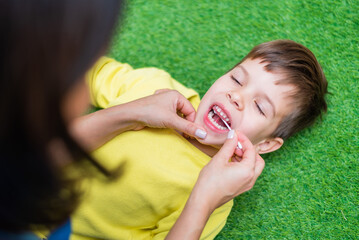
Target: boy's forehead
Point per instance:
(256, 63)
(243, 69)
(256, 68)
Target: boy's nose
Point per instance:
(236, 100)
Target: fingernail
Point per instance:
(239, 145)
(230, 134)
(200, 133)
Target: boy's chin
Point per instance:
(210, 143)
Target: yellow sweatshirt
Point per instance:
(161, 167)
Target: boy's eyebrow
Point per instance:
(244, 70)
(271, 103)
(264, 95)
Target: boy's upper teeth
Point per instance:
(221, 113)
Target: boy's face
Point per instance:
(249, 99)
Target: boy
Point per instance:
(275, 91)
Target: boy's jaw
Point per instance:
(214, 117)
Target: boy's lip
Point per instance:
(226, 116)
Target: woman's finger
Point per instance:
(259, 166)
(187, 127)
(182, 104)
(228, 148)
(185, 107)
(248, 156)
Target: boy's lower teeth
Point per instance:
(211, 114)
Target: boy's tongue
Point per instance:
(218, 120)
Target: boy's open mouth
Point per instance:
(216, 115)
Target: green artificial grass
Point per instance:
(308, 189)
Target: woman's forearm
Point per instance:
(95, 129)
(192, 220)
(159, 111)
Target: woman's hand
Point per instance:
(167, 109)
(219, 182)
(160, 110)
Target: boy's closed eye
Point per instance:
(236, 80)
(259, 108)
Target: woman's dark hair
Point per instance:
(46, 48)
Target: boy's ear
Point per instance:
(269, 145)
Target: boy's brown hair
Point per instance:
(302, 70)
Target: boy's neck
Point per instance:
(207, 149)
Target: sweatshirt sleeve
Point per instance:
(105, 80)
(111, 83)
